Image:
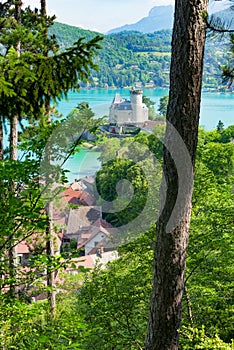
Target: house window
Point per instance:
(95, 244)
(20, 259)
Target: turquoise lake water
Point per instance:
(82, 164)
(214, 107)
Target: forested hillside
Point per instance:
(128, 58)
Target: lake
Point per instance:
(214, 107)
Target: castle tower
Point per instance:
(123, 111)
(139, 110)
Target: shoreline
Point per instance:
(88, 146)
(204, 90)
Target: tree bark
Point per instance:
(1, 184)
(13, 249)
(13, 156)
(43, 7)
(49, 208)
(47, 97)
(13, 137)
(179, 159)
(1, 141)
(50, 253)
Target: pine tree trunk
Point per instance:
(13, 156)
(13, 249)
(50, 253)
(176, 191)
(47, 97)
(49, 209)
(13, 137)
(1, 184)
(43, 7)
(1, 141)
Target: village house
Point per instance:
(76, 221)
(86, 227)
(81, 217)
(85, 184)
(23, 253)
(94, 239)
(77, 197)
(89, 262)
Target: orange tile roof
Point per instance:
(84, 261)
(22, 248)
(71, 196)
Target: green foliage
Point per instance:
(130, 57)
(228, 71)
(31, 327)
(107, 179)
(134, 161)
(22, 209)
(220, 126)
(163, 102)
(150, 104)
(209, 271)
(227, 134)
(109, 149)
(110, 308)
(208, 321)
(30, 78)
(38, 71)
(115, 301)
(197, 339)
(216, 150)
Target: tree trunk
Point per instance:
(1, 141)
(1, 184)
(50, 253)
(176, 191)
(49, 209)
(47, 97)
(13, 156)
(43, 7)
(13, 249)
(13, 137)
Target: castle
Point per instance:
(133, 111)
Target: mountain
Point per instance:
(160, 17)
(219, 5)
(225, 16)
(132, 57)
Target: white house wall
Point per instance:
(91, 244)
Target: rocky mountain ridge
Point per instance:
(161, 17)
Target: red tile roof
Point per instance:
(84, 261)
(22, 248)
(71, 196)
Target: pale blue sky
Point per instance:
(103, 15)
(99, 15)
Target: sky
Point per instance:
(99, 15)
(103, 15)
